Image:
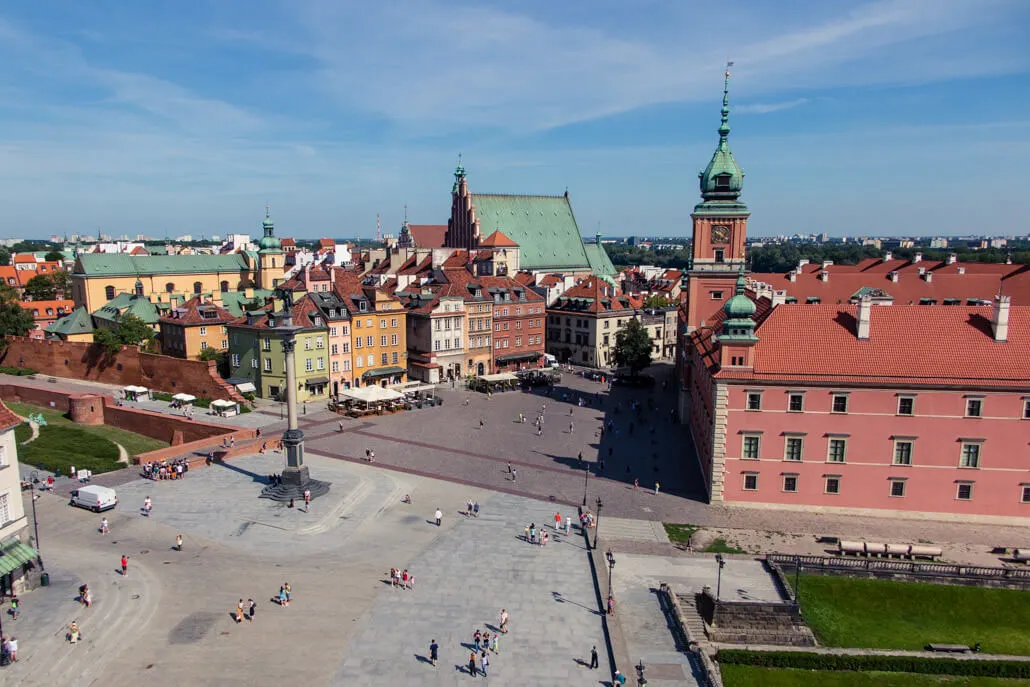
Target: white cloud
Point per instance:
(765, 108)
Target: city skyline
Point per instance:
(892, 117)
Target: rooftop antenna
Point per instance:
(379, 228)
(405, 213)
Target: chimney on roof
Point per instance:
(961, 270)
(928, 277)
(918, 257)
(779, 297)
(888, 256)
(922, 271)
(952, 258)
(802, 262)
(893, 276)
(824, 276)
(307, 276)
(1000, 321)
(827, 263)
(792, 276)
(865, 308)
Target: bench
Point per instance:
(952, 648)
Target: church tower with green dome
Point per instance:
(271, 261)
(737, 333)
(720, 227)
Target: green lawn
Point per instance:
(722, 546)
(63, 443)
(752, 676)
(882, 614)
(679, 534)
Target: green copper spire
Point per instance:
(722, 179)
(739, 324)
(268, 242)
(459, 175)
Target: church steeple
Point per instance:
(459, 175)
(739, 325)
(722, 179)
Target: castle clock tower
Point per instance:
(720, 229)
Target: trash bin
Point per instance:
(44, 579)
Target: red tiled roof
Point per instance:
(498, 240)
(24, 258)
(189, 314)
(525, 278)
(908, 290)
(326, 244)
(139, 250)
(595, 295)
(914, 345)
(7, 418)
(428, 235)
(60, 308)
(288, 243)
(550, 280)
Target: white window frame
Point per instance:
(747, 401)
(743, 446)
(235, 359)
(267, 365)
(791, 395)
(904, 487)
(907, 397)
(1024, 492)
(963, 461)
(911, 451)
(958, 490)
(979, 401)
(786, 448)
(833, 403)
(829, 450)
(783, 485)
(747, 476)
(203, 331)
(826, 484)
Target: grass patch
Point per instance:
(753, 676)
(882, 614)
(679, 534)
(60, 446)
(133, 443)
(722, 546)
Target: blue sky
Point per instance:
(890, 116)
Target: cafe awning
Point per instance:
(499, 377)
(371, 394)
(184, 398)
(317, 381)
(246, 388)
(15, 554)
(517, 357)
(384, 372)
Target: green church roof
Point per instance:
(122, 265)
(233, 301)
(128, 304)
(600, 263)
(76, 322)
(543, 226)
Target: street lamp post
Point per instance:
(718, 585)
(35, 522)
(586, 478)
(597, 525)
(797, 580)
(641, 680)
(611, 568)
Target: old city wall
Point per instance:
(80, 360)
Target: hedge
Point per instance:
(18, 371)
(805, 660)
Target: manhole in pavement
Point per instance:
(192, 628)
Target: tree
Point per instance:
(656, 301)
(107, 339)
(40, 288)
(54, 256)
(132, 331)
(633, 347)
(5, 257)
(221, 359)
(14, 320)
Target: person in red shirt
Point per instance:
(125, 565)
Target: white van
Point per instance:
(95, 498)
(550, 361)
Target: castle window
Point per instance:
(225, 287)
(169, 287)
(109, 292)
(197, 287)
(720, 255)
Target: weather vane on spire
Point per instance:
(268, 210)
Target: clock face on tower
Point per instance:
(720, 233)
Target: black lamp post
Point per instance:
(611, 568)
(35, 522)
(797, 580)
(586, 478)
(718, 585)
(641, 680)
(597, 525)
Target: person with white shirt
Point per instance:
(439, 517)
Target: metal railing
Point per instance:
(817, 563)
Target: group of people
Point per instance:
(176, 469)
(247, 611)
(471, 509)
(402, 579)
(535, 536)
(8, 649)
(483, 644)
(285, 592)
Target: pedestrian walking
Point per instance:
(289, 592)
(14, 608)
(147, 506)
(87, 596)
(239, 612)
(504, 621)
(557, 521)
(475, 509)
(593, 658)
(611, 605)
(481, 424)
(656, 485)
(484, 661)
(178, 542)
(477, 637)
(103, 526)
(251, 609)
(125, 565)
(539, 430)
(282, 596)
(307, 500)
(439, 517)
(494, 643)
(568, 524)
(434, 651)
(341, 425)
(472, 664)
(572, 428)
(12, 648)
(509, 467)
(543, 539)
(636, 483)
(514, 473)
(468, 508)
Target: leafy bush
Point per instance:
(18, 371)
(897, 664)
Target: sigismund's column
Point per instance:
(295, 478)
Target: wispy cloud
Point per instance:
(765, 108)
